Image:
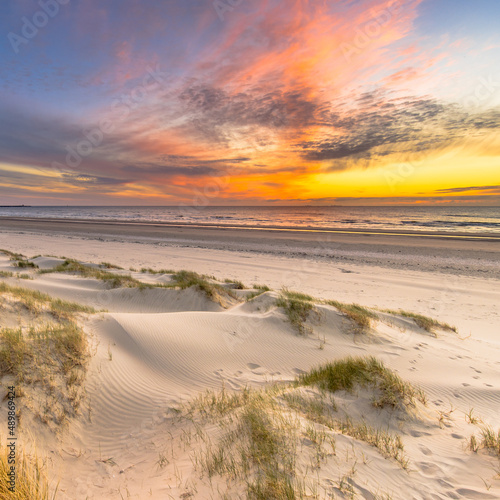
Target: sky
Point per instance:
(249, 102)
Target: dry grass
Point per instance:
(187, 279)
(35, 301)
(424, 322)
(31, 479)
(113, 279)
(297, 307)
(48, 356)
(488, 439)
(360, 315)
(255, 437)
(149, 270)
(348, 373)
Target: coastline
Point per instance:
(449, 253)
(430, 276)
(154, 347)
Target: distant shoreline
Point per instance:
(450, 253)
(271, 228)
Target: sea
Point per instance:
(391, 218)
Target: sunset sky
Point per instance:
(249, 102)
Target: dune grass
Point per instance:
(149, 270)
(488, 439)
(348, 373)
(31, 478)
(187, 279)
(113, 279)
(424, 322)
(25, 264)
(35, 301)
(108, 265)
(297, 306)
(360, 315)
(257, 436)
(235, 284)
(48, 355)
(12, 255)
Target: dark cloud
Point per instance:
(378, 126)
(469, 188)
(212, 110)
(170, 170)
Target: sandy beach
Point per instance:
(155, 345)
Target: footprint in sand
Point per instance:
(425, 450)
(418, 434)
(476, 377)
(253, 366)
(467, 493)
(488, 385)
(429, 469)
(457, 436)
(475, 369)
(298, 371)
(465, 384)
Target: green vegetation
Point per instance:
(31, 479)
(148, 270)
(12, 255)
(488, 439)
(35, 302)
(6, 274)
(187, 279)
(107, 265)
(235, 285)
(359, 314)
(428, 324)
(348, 373)
(25, 264)
(298, 307)
(113, 279)
(259, 435)
(258, 290)
(49, 354)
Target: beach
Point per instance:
(157, 346)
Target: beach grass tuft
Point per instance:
(258, 436)
(187, 279)
(113, 279)
(46, 354)
(360, 315)
(297, 307)
(348, 373)
(424, 322)
(31, 481)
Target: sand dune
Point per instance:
(156, 348)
